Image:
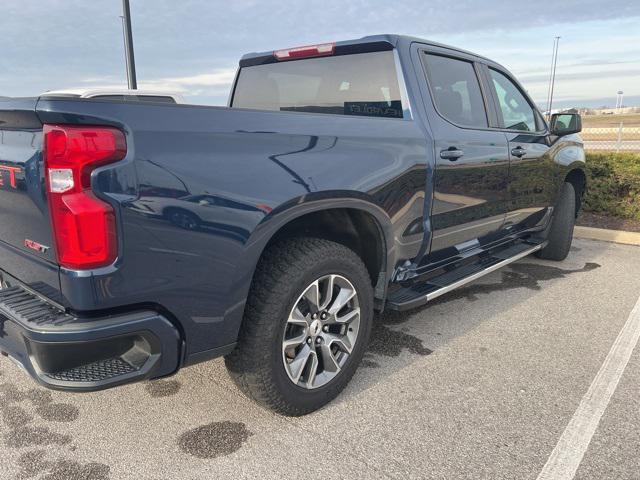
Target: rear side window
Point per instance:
(456, 90)
(517, 113)
(364, 84)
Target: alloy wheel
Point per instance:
(321, 331)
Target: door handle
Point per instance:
(518, 152)
(452, 154)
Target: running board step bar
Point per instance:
(419, 294)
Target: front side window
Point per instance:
(456, 90)
(517, 113)
(364, 84)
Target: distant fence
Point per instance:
(618, 138)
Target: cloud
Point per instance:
(215, 83)
(589, 75)
(193, 46)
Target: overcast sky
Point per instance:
(193, 46)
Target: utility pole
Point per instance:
(552, 75)
(128, 46)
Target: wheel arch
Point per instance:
(293, 213)
(578, 179)
(357, 223)
(351, 212)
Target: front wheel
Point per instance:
(561, 230)
(306, 327)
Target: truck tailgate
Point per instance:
(26, 243)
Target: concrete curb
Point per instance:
(615, 236)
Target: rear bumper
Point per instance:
(66, 352)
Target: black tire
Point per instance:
(256, 365)
(561, 230)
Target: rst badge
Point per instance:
(11, 174)
(38, 247)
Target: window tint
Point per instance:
(363, 84)
(516, 110)
(456, 90)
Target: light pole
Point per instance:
(552, 75)
(128, 46)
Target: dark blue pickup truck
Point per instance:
(137, 238)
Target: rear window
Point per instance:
(456, 90)
(364, 84)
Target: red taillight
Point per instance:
(305, 52)
(84, 226)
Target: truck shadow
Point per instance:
(409, 333)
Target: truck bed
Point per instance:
(233, 169)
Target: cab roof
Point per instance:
(369, 43)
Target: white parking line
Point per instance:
(567, 455)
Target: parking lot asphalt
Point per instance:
(479, 384)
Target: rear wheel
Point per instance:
(306, 327)
(561, 230)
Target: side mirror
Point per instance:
(565, 124)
